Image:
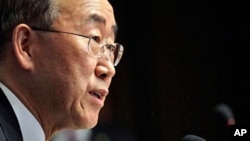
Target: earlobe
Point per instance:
(21, 40)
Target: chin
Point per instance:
(86, 122)
(85, 117)
(91, 123)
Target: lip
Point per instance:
(98, 96)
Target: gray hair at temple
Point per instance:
(38, 13)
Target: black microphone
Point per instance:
(192, 138)
(225, 114)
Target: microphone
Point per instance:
(225, 113)
(192, 138)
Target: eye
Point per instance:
(96, 39)
(111, 47)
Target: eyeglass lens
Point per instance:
(113, 51)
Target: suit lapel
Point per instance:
(9, 126)
(2, 136)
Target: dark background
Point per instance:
(181, 59)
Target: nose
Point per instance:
(105, 70)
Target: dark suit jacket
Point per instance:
(9, 127)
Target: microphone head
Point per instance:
(225, 113)
(192, 138)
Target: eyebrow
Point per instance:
(99, 19)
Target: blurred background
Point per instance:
(181, 59)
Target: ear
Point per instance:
(22, 45)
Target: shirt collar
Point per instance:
(30, 127)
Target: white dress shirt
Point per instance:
(30, 128)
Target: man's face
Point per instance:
(73, 82)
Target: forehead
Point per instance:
(81, 11)
(74, 4)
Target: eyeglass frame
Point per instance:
(110, 47)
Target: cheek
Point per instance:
(64, 71)
(75, 62)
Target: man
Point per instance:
(57, 60)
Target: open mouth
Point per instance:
(95, 94)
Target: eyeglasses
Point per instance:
(114, 51)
